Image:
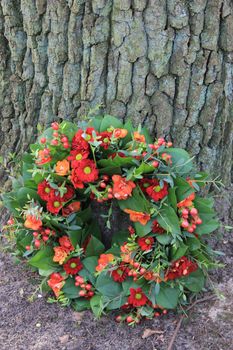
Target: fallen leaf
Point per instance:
(78, 316)
(149, 332)
(64, 339)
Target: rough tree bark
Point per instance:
(166, 63)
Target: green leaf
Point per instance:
(69, 129)
(107, 286)
(168, 219)
(136, 202)
(75, 237)
(167, 297)
(146, 133)
(96, 305)
(195, 281)
(181, 161)
(81, 304)
(116, 303)
(207, 227)
(172, 197)
(96, 122)
(143, 230)
(116, 162)
(164, 239)
(183, 189)
(94, 247)
(109, 121)
(24, 194)
(120, 237)
(193, 243)
(44, 259)
(70, 290)
(178, 252)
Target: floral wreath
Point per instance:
(154, 264)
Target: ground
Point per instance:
(37, 325)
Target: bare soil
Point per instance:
(37, 325)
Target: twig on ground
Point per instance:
(210, 297)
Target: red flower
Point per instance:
(120, 274)
(44, 190)
(73, 266)
(145, 243)
(85, 172)
(69, 194)
(137, 297)
(78, 142)
(56, 282)
(180, 268)
(156, 192)
(77, 155)
(156, 228)
(144, 184)
(54, 203)
(104, 137)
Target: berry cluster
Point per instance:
(86, 288)
(41, 237)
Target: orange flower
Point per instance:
(126, 253)
(139, 137)
(103, 261)
(71, 208)
(137, 216)
(60, 255)
(66, 244)
(62, 167)
(43, 157)
(56, 282)
(120, 133)
(121, 187)
(33, 223)
(187, 202)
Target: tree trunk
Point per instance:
(167, 64)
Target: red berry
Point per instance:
(42, 140)
(88, 286)
(28, 247)
(105, 177)
(82, 293)
(185, 212)
(136, 265)
(142, 271)
(37, 243)
(35, 234)
(134, 273)
(190, 229)
(46, 151)
(83, 285)
(169, 144)
(64, 139)
(193, 212)
(155, 164)
(129, 319)
(185, 224)
(55, 134)
(90, 293)
(45, 238)
(110, 196)
(157, 314)
(165, 312)
(118, 318)
(55, 126)
(66, 145)
(198, 221)
(54, 142)
(47, 231)
(110, 190)
(103, 185)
